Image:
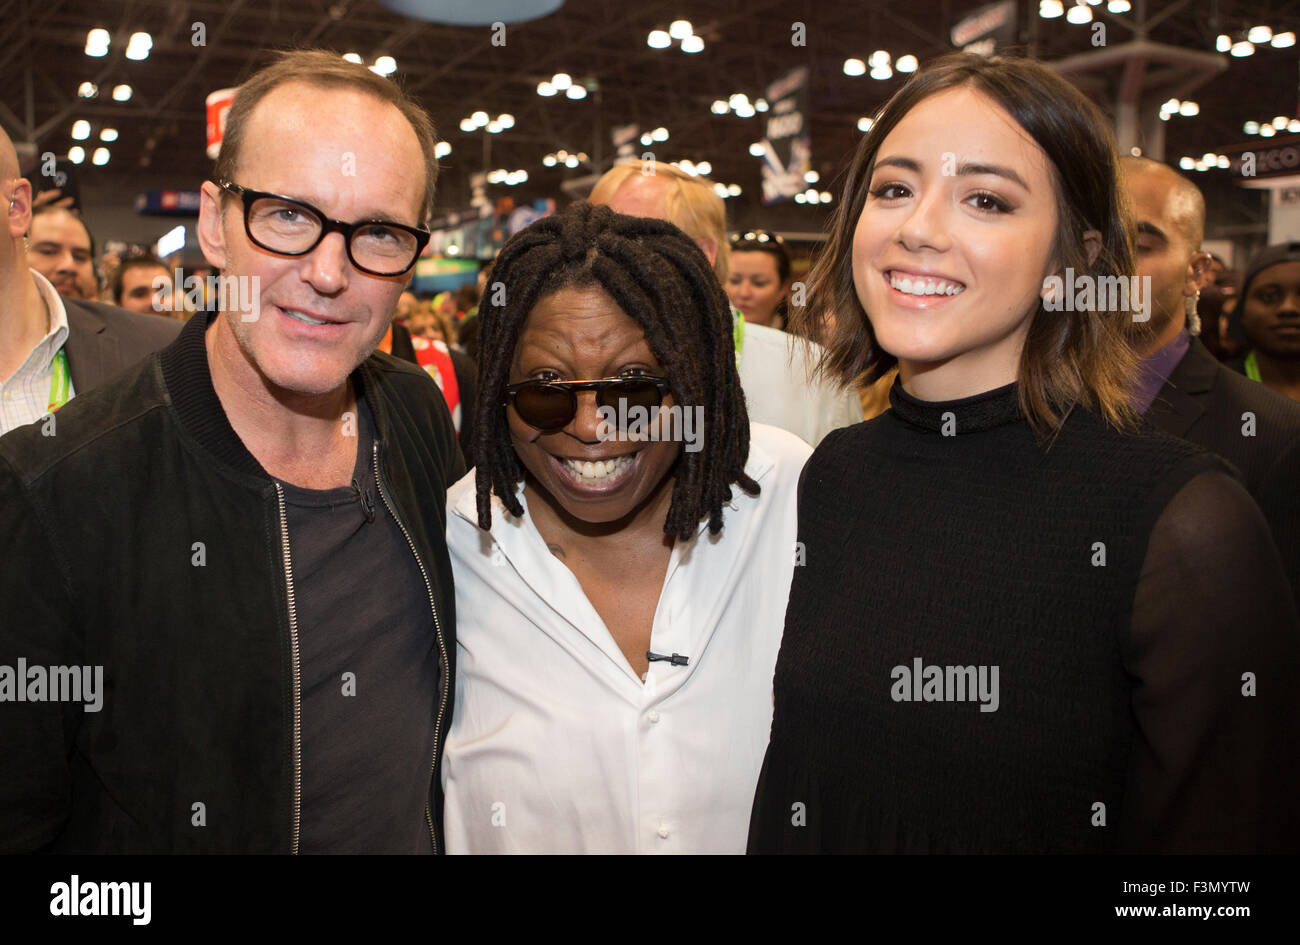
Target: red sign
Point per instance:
(218, 105)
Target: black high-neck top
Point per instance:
(996, 645)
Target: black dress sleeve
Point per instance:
(1278, 496)
(1213, 647)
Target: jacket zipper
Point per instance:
(437, 630)
(297, 673)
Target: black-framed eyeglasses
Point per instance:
(294, 227)
(552, 405)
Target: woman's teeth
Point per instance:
(299, 316)
(920, 285)
(601, 470)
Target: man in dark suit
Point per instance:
(104, 339)
(1183, 390)
(52, 348)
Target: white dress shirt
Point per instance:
(25, 395)
(775, 373)
(556, 745)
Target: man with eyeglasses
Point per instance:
(244, 536)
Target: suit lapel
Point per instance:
(1183, 399)
(91, 347)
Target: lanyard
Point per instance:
(738, 329)
(60, 381)
(1252, 366)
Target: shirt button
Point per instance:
(653, 716)
(663, 831)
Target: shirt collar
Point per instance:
(520, 544)
(57, 327)
(1155, 369)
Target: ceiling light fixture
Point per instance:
(97, 42)
(137, 48)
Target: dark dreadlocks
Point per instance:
(664, 282)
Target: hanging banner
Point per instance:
(787, 151)
(1264, 159)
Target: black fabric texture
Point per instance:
(1251, 426)
(147, 541)
(369, 668)
(1120, 720)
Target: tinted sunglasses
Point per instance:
(552, 405)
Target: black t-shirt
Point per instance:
(369, 668)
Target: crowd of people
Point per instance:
(947, 545)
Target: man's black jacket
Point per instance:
(144, 537)
(1254, 428)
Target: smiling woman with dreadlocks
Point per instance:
(623, 552)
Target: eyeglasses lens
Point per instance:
(624, 396)
(283, 226)
(546, 408)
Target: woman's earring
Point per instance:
(1193, 320)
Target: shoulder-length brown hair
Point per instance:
(1075, 357)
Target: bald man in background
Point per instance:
(776, 378)
(1183, 389)
(51, 347)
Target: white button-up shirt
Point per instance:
(776, 374)
(556, 745)
(25, 395)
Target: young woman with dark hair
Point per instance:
(1001, 640)
(620, 584)
(759, 278)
